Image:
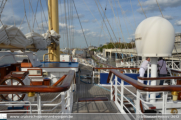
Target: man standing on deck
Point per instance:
(162, 69)
(143, 68)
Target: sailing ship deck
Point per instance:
(84, 90)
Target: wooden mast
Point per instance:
(53, 49)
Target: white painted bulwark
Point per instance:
(155, 37)
(52, 69)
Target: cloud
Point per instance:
(80, 31)
(70, 17)
(21, 28)
(63, 25)
(94, 34)
(80, 16)
(129, 38)
(10, 20)
(178, 23)
(85, 21)
(95, 20)
(168, 17)
(124, 12)
(151, 5)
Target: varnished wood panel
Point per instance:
(36, 83)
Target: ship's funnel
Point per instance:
(155, 37)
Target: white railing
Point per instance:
(174, 64)
(128, 64)
(102, 58)
(119, 94)
(97, 71)
(87, 62)
(66, 103)
(118, 97)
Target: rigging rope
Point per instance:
(35, 14)
(96, 19)
(133, 14)
(80, 23)
(13, 12)
(120, 26)
(108, 22)
(124, 18)
(102, 27)
(159, 8)
(44, 13)
(26, 15)
(66, 23)
(2, 8)
(104, 22)
(142, 8)
(163, 17)
(106, 25)
(115, 18)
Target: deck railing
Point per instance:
(97, 71)
(119, 97)
(87, 62)
(64, 88)
(174, 64)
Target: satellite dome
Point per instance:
(155, 37)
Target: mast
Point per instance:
(53, 49)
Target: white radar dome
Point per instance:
(154, 37)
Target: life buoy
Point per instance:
(174, 111)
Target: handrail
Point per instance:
(119, 68)
(105, 64)
(60, 80)
(41, 89)
(142, 86)
(48, 54)
(176, 71)
(158, 78)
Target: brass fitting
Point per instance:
(31, 94)
(175, 95)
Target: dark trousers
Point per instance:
(162, 81)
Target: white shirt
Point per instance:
(162, 68)
(144, 65)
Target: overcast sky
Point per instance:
(119, 15)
